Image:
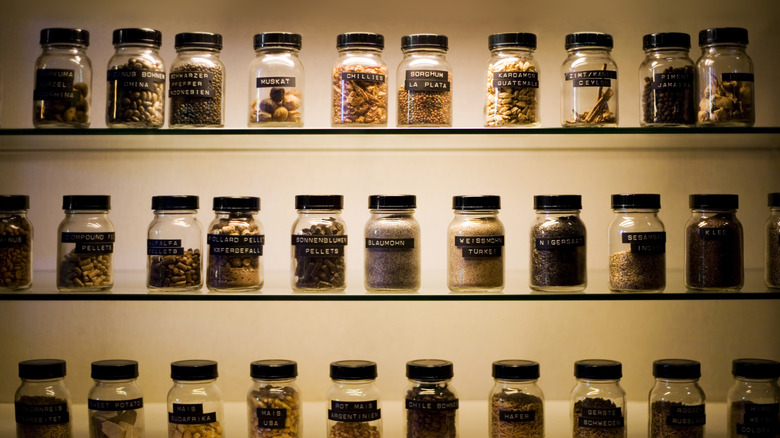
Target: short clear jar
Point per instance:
(235, 239)
(772, 251)
(392, 252)
(359, 81)
(42, 402)
(589, 93)
(714, 244)
(115, 402)
(516, 401)
(195, 400)
(85, 250)
(354, 404)
(725, 90)
(274, 405)
(276, 81)
(754, 399)
(512, 92)
(598, 402)
(676, 400)
(196, 84)
(558, 245)
(62, 96)
(431, 402)
(319, 240)
(666, 78)
(424, 82)
(16, 243)
(136, 80)
(475, 245)
(637, 244)
(174, 245)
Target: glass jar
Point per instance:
(475, 241)
(235, 239)
(16, 240)
(589, 95)
(195, 400)
(516, 401)
(558, 245)
(724, 78)
(42, 401)
(115, 403)
(512, 82)
(772, 253)
(598, 403)
(173, 245)
(319, 240)
(714, 244)
(274, 400)
(136, 80)
(276, 81)
(354, 406)
(85, 252)
(63, 80)
(431, 403)
(392, 255)
(666, 81)
(676, 400)
(754, 399)
(637, 244)
(425, 95)
(197, 82)
(359, 81)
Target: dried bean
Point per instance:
(15, 252)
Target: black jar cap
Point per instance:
(714, 202)
(479, 202)
(236, 203)
(319, 202)
(516, 370)
(558, 202)
(353, 370)
(86, 202)
(175, 202)
(512, 39)
(194, 370)
(755, 368)
(273, 369)
(59, 35)
(424, 41)
(277, 39)
(135, 35)
(636, 200)
(588, 39)
(723, 35)
(666, 39)
(198, 39)
(115, 369)
(42, 369)
(14, 202)
(392, 202)
(360, 39)
(676, 369)
(429, 369)
(598, 369)
(774, 199)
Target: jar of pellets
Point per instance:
(512, 91)
(354, 403)
(276, 81)
(42, 402)
(174, 245)
(235, 239)
(197, 82)
(115, 402)
(516, 401)
(589, 96)
(319, 241)
(676, 400)
(274, 405)
(85, 253)
(16, 240)
(195, 401)
(754, 399)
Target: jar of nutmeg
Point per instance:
(276, 81)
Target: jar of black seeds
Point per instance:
(666, 79)
(392, 254)
(637, 244)
(174, 245)
(772, 252)
(319, 241)
(516, 401)
(558, 250)
(431, 402)
(598, 402)
(754, 399)
(197, 82)
(16, 240)
(235, 238)
(676, 400)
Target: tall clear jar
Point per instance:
(136, 80)
(666, 79)
(772, 251)
(424, 81)
(276, 81)
(512, 93)
(85, 250)
(754, 399)
(354, 405)
(431, 402)
(637, 244)
(589, 92)
(558, 245)
(42, 402)
(724, 78)
(714, 244)
(235, 239)
(274, 405)
(195, 400)
(392, 253)
(16, 241)
(598, 402)
(174, 245)
(516, 401)
(197, 82)
(359, 81)
(475, 245)
(319, 241)
(115, 402)
(62, 95)
(676, 400)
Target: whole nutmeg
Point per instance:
(263, 116)
(267, 105)
(292, 102)
(280, 115)
(295, 116)
(277, 94)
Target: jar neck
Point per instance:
(515, 381)
(113, 382)
(667, 381)
(353, 382)
(193, 382)
(748, 381)
(590, 50)
(13, 212)
(512, 51)
(723, 46)
(704, 211)
(43, 381)
(475, 212)
(86, 212)
(667, 52)
(599, 382)
(265, 381)
(174, 212)
(558, 212)
(137, 46)
(187, 50)
(444, 382)
(277, 50)
(652, 211)
(399, 212)
(425, 51)
(358, 49)
(323, 212)
(64, 47)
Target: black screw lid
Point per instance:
(755, 368)
(58, 35)
(676, 369)
(719, 35)
(424, 40)
(176, 202)
(319, 202)
(516, 370)
(360, 39)
(86, 202)
(666, 39)
(198, 39)
(643, 200)
(14, 202)
(598, 369)
(137, 36)
(353, 370)
(236, 203)
(588, 39)
(114, 369)
(774, 199)
(513, 39)
(482, 202)
(392, 202)
(429, 369)
(194, 370)
(558, 202)
(273, 369)
(42, 369)
(713, 202)
(277, 39)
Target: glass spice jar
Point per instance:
(754, 399)
(431, 402)
(512, 94)
(319, 240)
(558, 245)
(195, 400)
(598, 403)
(676, 400)
(197, 82)
(354, 405)
(516, 401)
(359, 81)
(666, 81)
(86, 244)
(115, 402)
(772, 251)
(274, 400)
(392, 254)
(16, 240)
(589, 95)
(475, 241)
(62, 95)
(425, 95)
(235, 239)
(173, 245)
(276, 81)
(136, 80)
(42, 402)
